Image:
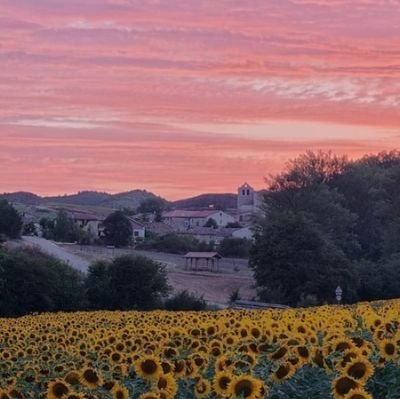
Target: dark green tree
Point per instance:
(118, 229)
(291, 252)
(64, 228)
(155, 206)
(128, 282)
(231, 247)
(185, 301)
(211, 223)
(10, 220)
(33, 282)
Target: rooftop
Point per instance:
(203, 255)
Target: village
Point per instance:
(207, 225)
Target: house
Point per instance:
(88, 222)
(243, 232)
(139, 230)
(159, 228)
(186, 219)
(207, 234)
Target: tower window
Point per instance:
(248, 192)
(243, 192)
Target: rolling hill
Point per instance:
(220, 201)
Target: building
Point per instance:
(88, 222)
(184, 219)
(139, 230)
(249, 203)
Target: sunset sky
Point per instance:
(190, 96)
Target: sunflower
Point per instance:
(148, 367)
(245, 387)
(166, 384)
(202, 388)
(57, 389)
(72, 377)
(221, 383)
(343, 385)
(283, 372)
(358, 394)
(179, 367)
(119, 392)
(360, 369)
(4, 394)
(149, 395)
(387, 349)
(90, 378)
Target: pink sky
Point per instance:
(190, 96)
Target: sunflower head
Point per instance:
(358, 394)
(343, 385)
(245, 387)
(148, 367)
(57, 389)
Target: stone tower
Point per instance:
(246, 198)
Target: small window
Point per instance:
(136, 234)
(243, 192)
(248, 192)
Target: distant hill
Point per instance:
(130, 199)
(82, 198)
(23, 198)
(222, 201)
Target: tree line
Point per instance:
(327, 222)
(31, 281)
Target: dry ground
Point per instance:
(215, 287)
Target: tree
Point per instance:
(29, 229)
(290, 252)
(155, 206)
(128, 282)
(233, 225)
(33, 282)
(235, 247)
(185, 301)
(64, 228)
(211, 223)
(118, 230)
(10, 220)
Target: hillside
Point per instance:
(82, 198)
(130, 199)
(221, 201)
(23, 198)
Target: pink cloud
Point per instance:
(123, 81)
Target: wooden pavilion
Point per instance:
(199, 260)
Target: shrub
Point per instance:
(235, 247)
(185, 301)
(10, 220)
(31, 281)
(128, 282)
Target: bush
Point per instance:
(185, 301)
(118, 229)
(235, 247)
(10, 220)
(128, 282)
(33, 282)
(175, 244)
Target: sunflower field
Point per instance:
(349, 352)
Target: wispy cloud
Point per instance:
(251, 82)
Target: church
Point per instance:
(249, 202)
